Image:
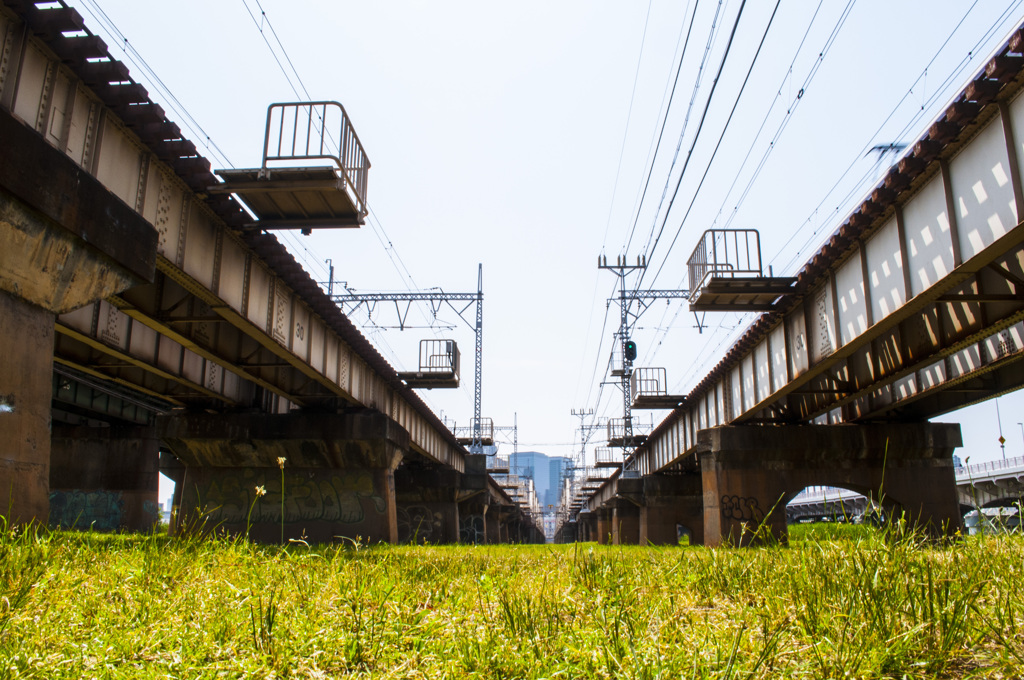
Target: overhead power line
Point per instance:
(649, 253)
(653, 156)
(725, 128)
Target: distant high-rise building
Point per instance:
(545, 471)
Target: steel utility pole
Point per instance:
(643, 299)
(585, 432)
(477, 445)
(622, 270)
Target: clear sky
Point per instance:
(517, 135)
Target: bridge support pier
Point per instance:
(26, 335)
(65, 242)
(625, 523)
(492, 524)
(104, 478)
(587, 526)
(336, 482)
(442, 505)
(473, 520)
(750, 473)
(669, 502)
(604, 525)
(428, 504)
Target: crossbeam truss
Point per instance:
(350, 302)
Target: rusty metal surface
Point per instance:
(89, 61)
(73, 199)
(740, 294)
(943, 330)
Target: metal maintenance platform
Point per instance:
(313, 175)
(439, 365)
(726, 274)
(648, 388)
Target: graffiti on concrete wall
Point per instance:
(100, 510)
(741, 509)
(419, 524)
(342, 496)
(472, 529)
(151, 510)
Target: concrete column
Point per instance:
(750, 473)
(671, 503)
(604, 525)
(428, 507)
(492, 524)
(625, 524)
(473, 520)
(503, 530)
(65, 242)
(104, 478)
(26, 367)
(587, 526)
(337, 481)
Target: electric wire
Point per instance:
(842, 20)
(714, 152)
(775, 100)
(629, 116)
(660, 337)
(711, 36)
(652, 154)
(796, 101)
(373, 220)
(136, 58)
(649, 252)
(910, 125)
(686, 120)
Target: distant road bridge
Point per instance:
(912, 309)
(145, 316)
(982, 485)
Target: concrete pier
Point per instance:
(672, 504)
(104, 478)
(337, 480)
(751, 473)
(65, 241)
(625, 523)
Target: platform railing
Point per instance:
(978, 469)
(648, 382)
(439, 356)
(724, 252)
(605, 455)
(617, 428)
(300, 131)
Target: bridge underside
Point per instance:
(325, 477)
(744, 476)
(110, 354)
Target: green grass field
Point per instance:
(838, 602)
